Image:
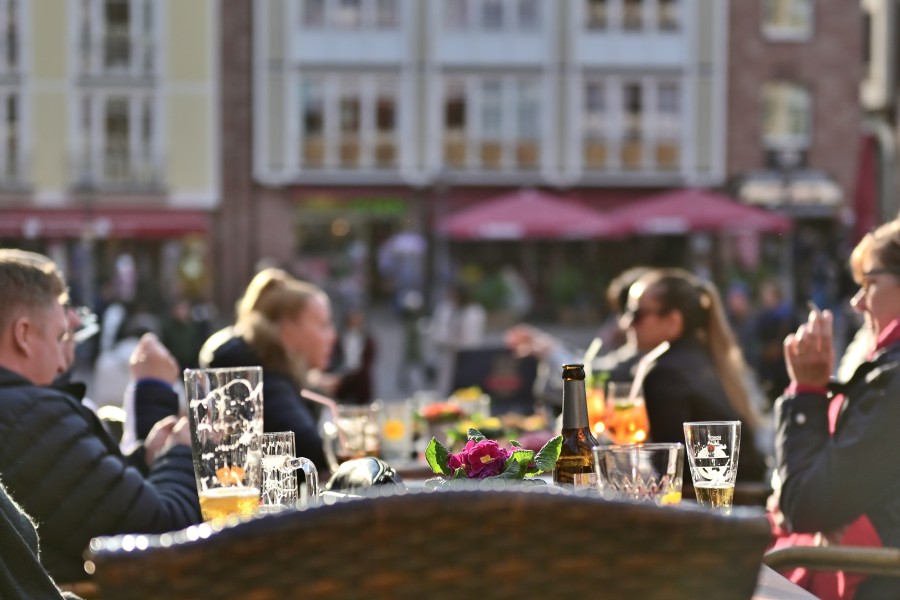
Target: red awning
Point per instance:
(102, 223)
(687, 210)
(526, 214)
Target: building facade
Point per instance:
(376, 117)
(795, 130)
(109, 160)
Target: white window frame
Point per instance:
(788, 141)
(788, 33)
(367, 87)
(142, 40)
(6, 68)
(141, 158)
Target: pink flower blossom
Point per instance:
(479, 460)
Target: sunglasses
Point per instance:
(634, 316)
(882, 271)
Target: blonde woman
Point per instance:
(701, 376)
(283, 325)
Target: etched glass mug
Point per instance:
(279, 467)
(225, 409)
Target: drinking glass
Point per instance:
(279, 466)
(645, 472)
(353, 434)
(225, 408)
(626, 414)
(395, 422)
(713, 449)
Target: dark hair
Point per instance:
(703, 318)
(617, 290)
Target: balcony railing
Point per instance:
(118, 172)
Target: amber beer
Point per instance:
(715, 495)
(217, 504)
(575, 465)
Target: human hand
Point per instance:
(809, 352)
(157, 437)
(525, 340)
(151, 360)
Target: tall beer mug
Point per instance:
(225, 408)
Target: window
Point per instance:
(529, 14)
(787, 19)
(313, 13)
(491, 123)
(492, 14)
(528, 126)
(632, 143)
(456, 15)
(386, 16)
(116, 154)
(455, 119)
(632, 14)
(117, 35)
(312, 151)
(668, 14)
(10, 153)
(349, 121)
(786, 116)
(596, 14)
(348, 14)
(668, 126)
(594, 123)
(386, 123)
(9, 16)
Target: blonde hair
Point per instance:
(704, 318)
(272, 296)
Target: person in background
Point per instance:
(700, 374)
(617, 357)
(773, 322)
(459, 323)
(181, 334)
(283, 325)
(57, 461)
(837, 458)
(354, 358)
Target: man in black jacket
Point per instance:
(56, 459)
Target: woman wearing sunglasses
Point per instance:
(700, 373)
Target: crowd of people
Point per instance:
(64, 473)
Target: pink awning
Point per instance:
(155, 223)
(689, 210)
(526, 214)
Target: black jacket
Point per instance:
(21, 573)
(829, 480)
(682, 385)
(283, 407)
(60, 465)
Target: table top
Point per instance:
(772, 586)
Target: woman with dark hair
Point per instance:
(283, 325)
(700, 376)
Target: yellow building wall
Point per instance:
(48, 38)
(187, 32)
(47, 42)
(189, 143)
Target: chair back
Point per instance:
(499, 544)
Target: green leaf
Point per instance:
(515, 444)
(545, 459)
(438, 457)
(475, 436)
(459, 474)
(522, 458)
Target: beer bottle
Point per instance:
(575, 465)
